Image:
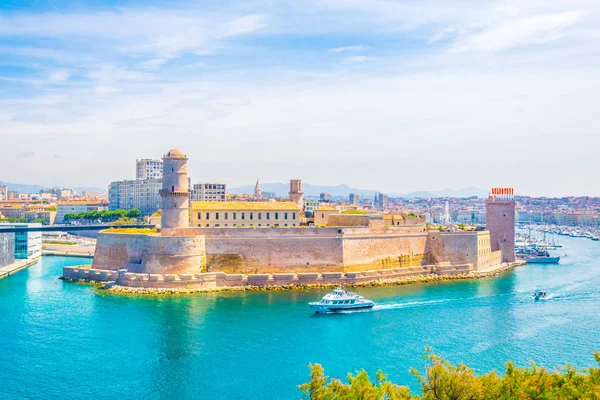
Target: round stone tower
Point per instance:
(175, 193)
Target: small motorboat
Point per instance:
(340, 300)
(539, 294)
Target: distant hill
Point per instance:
(36, 188)
(466, 192)
(282, 189)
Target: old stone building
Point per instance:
(209, 214)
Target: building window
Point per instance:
(285, 216)
(243, 215)
(207, 215)
(216, 215)
(259, 216)
(234, 216)
(251, 215)
(276, 215)
(268, 215)
(199, 215)
(293, 215)
(207, 225)
(226, 216)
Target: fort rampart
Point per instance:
(210, 280)
(291, 250)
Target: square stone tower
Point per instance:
(500, 221)
(296, 194)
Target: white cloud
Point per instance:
(354, 49)
(525, 31)
(59, 76)
(153, 63)
(109, 73)
(242, 25)
(166, 33)
(356, 59)
(444, 33)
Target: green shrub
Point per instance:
(444, 381)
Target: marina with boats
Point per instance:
(534, 243)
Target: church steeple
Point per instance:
(257, 190)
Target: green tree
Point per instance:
(358, 387)
(134, 213)
(444, 381)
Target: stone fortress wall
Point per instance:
(254, 250)
(144, 253)
(291, 250)
(462, 247)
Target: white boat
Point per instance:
(539, 295)
(340, 300)
(533, 255)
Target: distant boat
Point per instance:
(340, 300)
(538, 295)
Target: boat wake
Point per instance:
(394, 306)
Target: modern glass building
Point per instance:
(25, 244)
(7, 249)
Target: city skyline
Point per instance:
(397, 97)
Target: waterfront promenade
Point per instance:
(17, 266)
(72, 250)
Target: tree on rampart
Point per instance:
(104, 216)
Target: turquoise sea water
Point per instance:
(69, 341)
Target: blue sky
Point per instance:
(389, 95)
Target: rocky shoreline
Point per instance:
(114, 288)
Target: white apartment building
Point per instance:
(137, 193)
(149, 169)
(76, 207)
(3, 192)
(209, 192)
(310, 205)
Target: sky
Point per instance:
(395, 96)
